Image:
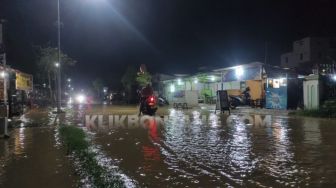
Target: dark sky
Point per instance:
(171, 36)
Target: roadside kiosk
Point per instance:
(282, 89)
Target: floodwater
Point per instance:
(186, 151)
(238, 151)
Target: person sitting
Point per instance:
(247, 95)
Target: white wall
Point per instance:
(311, 94)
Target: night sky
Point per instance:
(169, 36)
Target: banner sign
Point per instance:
(24, 81)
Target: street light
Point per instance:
(3, 74)
(334, 77)
(57, 64)
(179, 82)
(239, 72)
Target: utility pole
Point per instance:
(59, 95)
(5, 118)
(5, 95)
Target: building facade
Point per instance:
(309, 52)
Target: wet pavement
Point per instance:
(240, 150)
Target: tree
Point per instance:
(98, 85)
(129, 81)
(143, 79)
(46, 59)
(129, 78)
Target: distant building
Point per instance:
(308, 53)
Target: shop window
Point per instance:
(277, 83)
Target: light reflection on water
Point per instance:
(19, 141)
(30, 158)
(285, 153)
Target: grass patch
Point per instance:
(322, 113)
(327, 110)
(75, 141)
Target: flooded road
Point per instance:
(226, 151)
(186, 151)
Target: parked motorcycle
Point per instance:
(162, 101)
(240, 100)
(149, 106)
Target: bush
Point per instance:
(311, 113)
(327, 110)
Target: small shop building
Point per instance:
(271, 87)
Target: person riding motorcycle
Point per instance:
(145, 92)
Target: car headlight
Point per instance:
(80, 98)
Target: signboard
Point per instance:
(24, 81)
(222, 101)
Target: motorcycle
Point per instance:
(149, 106)
(241, 100)
(162, 101)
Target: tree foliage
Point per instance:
(143, 79)
(129, 83)
(98, 85)
(48, 56)
(129, 78)
(46, 59)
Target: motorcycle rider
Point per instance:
(145, 92)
